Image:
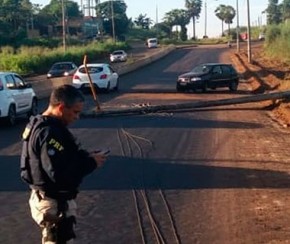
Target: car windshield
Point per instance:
(118, 53)
(91, 70)
(200, 69)
(61, 67)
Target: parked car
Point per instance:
(118, 56)
(102, 75)
(16, 97)
(62, 69)
(209, 75)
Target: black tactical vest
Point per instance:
(25, 168)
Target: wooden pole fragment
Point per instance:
(93, 89)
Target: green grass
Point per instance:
(277, 43)
(26, 60)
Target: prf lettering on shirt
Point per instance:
(56, 144)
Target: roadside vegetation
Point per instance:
(277, 44)
(35, 60)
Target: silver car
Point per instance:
(118, 56)
(16, 97)
(102, 76)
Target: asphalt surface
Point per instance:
(172, 177)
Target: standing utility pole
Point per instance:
(238, 28)
(113, 21)
(249, 34)
(63, 26)
(205, 19)
(156, 21)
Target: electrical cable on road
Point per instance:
(130, 139)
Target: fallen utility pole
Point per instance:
(182, 106)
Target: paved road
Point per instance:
(191, 177)
(138, 51)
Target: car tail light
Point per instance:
(103, 76)
(76, 77)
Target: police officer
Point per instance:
(53, 165)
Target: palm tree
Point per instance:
(220, 13)
(229, 14)
(194, 9)
(225, 14)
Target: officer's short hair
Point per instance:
(67, 94)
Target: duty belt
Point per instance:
(60, 195)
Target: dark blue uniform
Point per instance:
(53, 165)
(51, 160)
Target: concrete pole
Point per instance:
(197, 104)
(249, 33)
(238, 28)
(63, 26)
(113, 21)
(205, 20)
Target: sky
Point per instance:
(156, 9)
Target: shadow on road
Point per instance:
(122, 173)
(125, 173)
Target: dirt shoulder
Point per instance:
(265, 75)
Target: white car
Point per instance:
(16, 97)
(102, 76)
(118, 56)
(261, 36)
(152, 43)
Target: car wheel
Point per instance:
(116, 88)
(233, 86)
(108, 87)
(34, 108)
(11, 117)
(179, 88)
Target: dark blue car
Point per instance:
(209, 76)
(62, 69)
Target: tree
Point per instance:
(116, 14)
(51, 15)
(143, 21)
(179, 17)
(229, 15)
(273, 12)
(162, 29)
(194, 9)
(286, 10)
(220, 13)
(15, 13)
(54, 10)
(14, 17)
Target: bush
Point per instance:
(37, 60)
(277, 42)
(273, 33)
